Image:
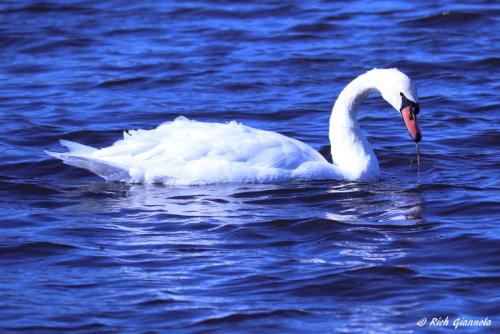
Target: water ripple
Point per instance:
(83, 256)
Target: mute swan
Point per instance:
(186, 152)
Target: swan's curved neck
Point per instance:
(351, 151)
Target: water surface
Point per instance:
(83, 256)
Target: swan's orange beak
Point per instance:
(411, 123)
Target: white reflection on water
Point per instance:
(158, 215)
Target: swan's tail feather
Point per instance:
(77, 157)
(76, 147)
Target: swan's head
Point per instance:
(400, 92)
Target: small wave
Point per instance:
(447, 19)
(243, 86)
(51, 47)
(132, 31)
(465, 208)
(311, 28)
(94, 327)
(386, 282)
(121, 82)
(218, 13)
(485, 64)
(23, 187)
(46, 7)
(157, 302)
(251, 317)
(34, 249)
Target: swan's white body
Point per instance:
(186, 152)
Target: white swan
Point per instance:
(186, 152)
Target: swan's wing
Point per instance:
(189, 152)
(185, 140)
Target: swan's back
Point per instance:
(184, 152)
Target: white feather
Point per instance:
(184, 152)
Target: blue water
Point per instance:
(79, 255)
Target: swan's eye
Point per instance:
(405, 102)
(415, 109)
